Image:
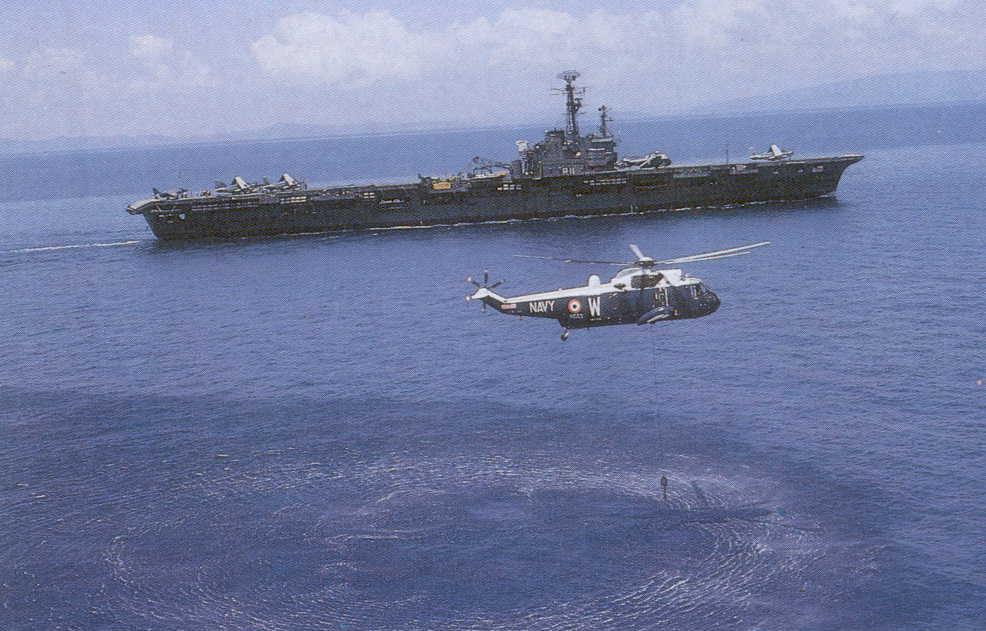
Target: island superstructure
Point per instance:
(565, 174)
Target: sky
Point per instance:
(187, 69)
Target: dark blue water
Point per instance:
(319, 432)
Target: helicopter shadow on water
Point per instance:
(685, 510)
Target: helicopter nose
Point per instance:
(713, 302)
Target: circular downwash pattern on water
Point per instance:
(466, 542)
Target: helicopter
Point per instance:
(170, 194)
(640, 293)
(773, 154)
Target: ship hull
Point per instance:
(493, 199)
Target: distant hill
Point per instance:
(82, 143)
(914, 88)
(279, 131)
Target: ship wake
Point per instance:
(71, 246)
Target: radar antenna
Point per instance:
(573, 103)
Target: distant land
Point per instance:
(279, 131)
(913, 88)
(880, 91)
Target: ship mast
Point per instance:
(603, 120)
(573, 103)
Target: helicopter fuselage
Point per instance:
(640, 293)
(633, 296)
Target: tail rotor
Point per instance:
(484, 285)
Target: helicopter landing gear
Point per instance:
(565, 334)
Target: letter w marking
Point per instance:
(593, 306)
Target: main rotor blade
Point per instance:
(715, 258)
(708, 256)
(495, 285)
(636, 252)
(555, 258)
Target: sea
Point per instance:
(319, 432)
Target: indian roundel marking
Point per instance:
(574, 306)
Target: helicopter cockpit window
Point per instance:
(644, 281)
(661, 298)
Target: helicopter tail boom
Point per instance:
(489, 297)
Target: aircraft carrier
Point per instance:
(565, 174)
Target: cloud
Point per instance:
(160, 65)
(356, 50)
(150, 47)
(378, 69)
(697, 47)
(153, 89)
(6, 65)
(343, 49)
(526, 37)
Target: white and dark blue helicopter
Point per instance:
(640, 293)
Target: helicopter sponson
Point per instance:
(640, 293)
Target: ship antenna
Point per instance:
(573, 103)
(603, 119)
